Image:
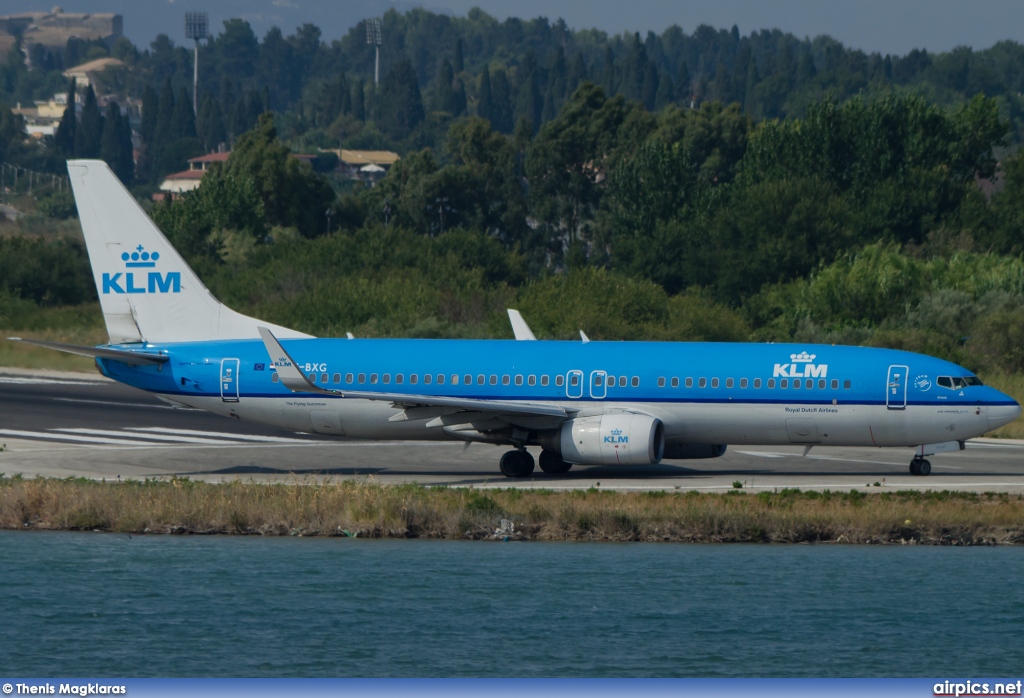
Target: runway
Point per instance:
(81, 425)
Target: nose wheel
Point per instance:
(517, 464)
(920, 466)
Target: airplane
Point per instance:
(582, 402)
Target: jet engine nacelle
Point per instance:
(613, 439)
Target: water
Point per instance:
(84, 604)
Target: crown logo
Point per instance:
(802, 358)
(140, 258)
(616, 432)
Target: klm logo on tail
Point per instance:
(141, 282)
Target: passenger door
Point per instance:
(598, 384)
(229, 380)
(896, 388)
(574, 384)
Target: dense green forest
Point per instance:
(683, 186)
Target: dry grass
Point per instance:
(367, 509)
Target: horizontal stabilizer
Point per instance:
(125, 356)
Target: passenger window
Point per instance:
(323, 378)
(312, 377)
(796, 384)
(337, 377)
(821, 384)
(414, 378)
(505, 380)
(598, 380)
(455, 379)
(835, 384)
(543, 380)
(373, 378)
(387, 378)
(757, 383)
(427, 378)
(467, 379)
(494, 379)
(675, 382)
(399, 378)
(611, 381)
(846, 384)
(728, 382)
(743, 382)
(771, 383)
(559, 380)
(689, 382)
(622, 381)
(532, 380)
(348, 377)
(714, 382)
(636, 382)
(362, 378)
(703, 382)
(480, 379)
(661, 382)
(440, 379)
(519, 380)
(274, 377)
(574, 380)
(783, 383)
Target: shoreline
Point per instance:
(363, 509)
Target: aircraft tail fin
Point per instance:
(147, 292)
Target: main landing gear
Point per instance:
(919, 466)
(517, 464)
(520, 463)
(552, 463)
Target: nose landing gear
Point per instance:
(920, 466)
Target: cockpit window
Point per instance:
(957, 382)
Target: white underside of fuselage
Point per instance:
(685, 422)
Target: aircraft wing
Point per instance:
(296, 381)
(125, 356)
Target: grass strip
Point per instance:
(367, 509)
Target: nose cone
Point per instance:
(1002, 412)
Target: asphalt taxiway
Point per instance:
(82, 425)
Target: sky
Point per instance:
(886, 26)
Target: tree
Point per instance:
(210, 124)
(501, 113)
(359, 101)
(89, 133)
(183, 122)
(116, 144)
(649, 92)
(460, 63)
(292, 194)
(401, 105)
(485, 102)
(64, 138)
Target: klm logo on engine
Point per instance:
(802, 366)
(616, 437)
(140, 281)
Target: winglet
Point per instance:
(584, 337)
(286, 367)
(520, 329)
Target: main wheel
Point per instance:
(552, 463)
(924, 467)
(516, 464)
(914, 466)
